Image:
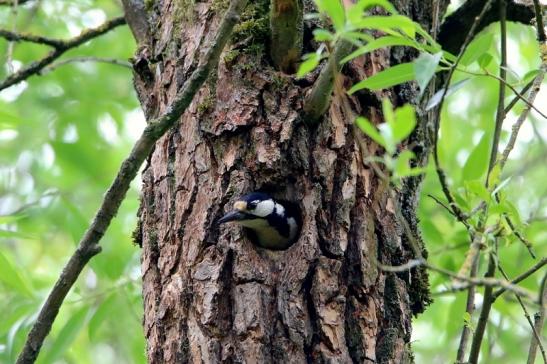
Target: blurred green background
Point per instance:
(63, 136)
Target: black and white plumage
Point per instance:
(272, 224)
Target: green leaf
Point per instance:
(402, 163)
(477, 188)
(425, 67)
(484, 60)
(8, 219)
(322, 35)
(388, 24)
(405, 122)
(335, 10)
(364, 5)
(105, 310)
(387, 41)
(434, 101)
(11, 277)
(66, 336)
(387, 110)
(477, 162)
(309, 64)
(370, 130)
(478, 47)
(389, 77)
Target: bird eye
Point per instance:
(252, 205)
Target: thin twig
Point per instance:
(539, 319)
(89, 245)
(35, 67)
(13, 2)
(38, 39)
(518, 95)
(522, 117)
(485, 310)
(113, 61)
(318, 100)
(437, 117)
(502, 290)
(485, 282)
(526, 314)
(470, 300)
(539, 22)
(500, 113)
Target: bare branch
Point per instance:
(13, 2)
(89, 245)
(135, 15)
(486, 282)
(437, 115)
(35, 67)
(22, 37)
(485, 311)
(287, 29)
(318, 100)
(456, 25)
(522, 117)
(539, 319)
(539, 22)
(113, 61)
(500, 113)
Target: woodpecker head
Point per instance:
(272, 224)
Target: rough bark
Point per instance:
(210, 295)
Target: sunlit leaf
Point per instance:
(477, 162)
(335, 10)
(386, 41)
(11, 277)
(405, 122)
(389, 77)
(388, 23)
(478, 47)
(370, 130)
(425, 67)
(308, 65)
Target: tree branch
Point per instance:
(61, 47)
(458, 24)
(287, 29)
(22, 37)
(539, 319)
(135, 15)
(527, 316)
(485, 312)
(500, 113)
(437, 114)
(502, 290)
(13, 2)
(89, 245)
(317, 101)
(113, 61)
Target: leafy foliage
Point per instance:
(63, 136)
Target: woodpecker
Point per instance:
(272, 225)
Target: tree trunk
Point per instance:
(212, 296)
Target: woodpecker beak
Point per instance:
(232, 216)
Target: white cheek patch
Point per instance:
(264, 208)
(279, 209)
